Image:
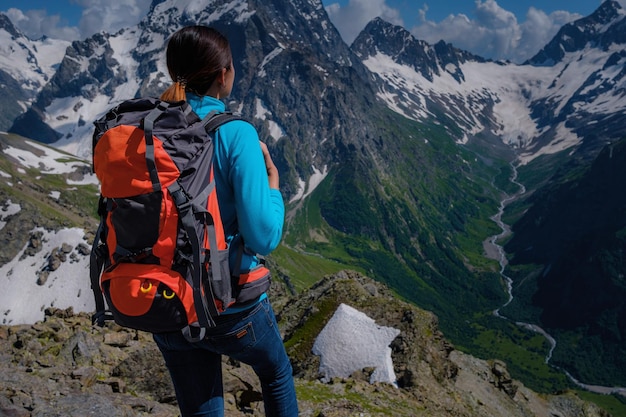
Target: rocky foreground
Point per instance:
(63, 366)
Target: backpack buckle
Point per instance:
(193, 336)
(179, 196)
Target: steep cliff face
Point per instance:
(25, 67)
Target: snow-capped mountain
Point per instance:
(26, 66)
(291, 65)
(574, 88)
(31, 63)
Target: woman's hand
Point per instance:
(272, 171)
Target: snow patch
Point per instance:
(315, 180)
(564, 139)
(85, 112)
(267, 59)
(351, 341)
(506, 93)
(301, 190)
(124, 46)
(261, 112)
(31, 63)
(197, 10)
(276, 132)
(23, 300)
(8, 209)
(49, 161)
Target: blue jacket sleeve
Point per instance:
(260, 210)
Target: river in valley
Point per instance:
(495, 251)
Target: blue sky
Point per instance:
(497, 29)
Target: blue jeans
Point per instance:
(251, 337)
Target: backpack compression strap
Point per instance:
(96, 263)
(148, 126)
(188, 209)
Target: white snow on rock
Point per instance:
(8, 209)
(23, 300)
(351, 341)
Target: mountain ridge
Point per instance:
(536, 110)
(119, 372)
(575, 36)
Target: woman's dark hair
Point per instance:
(195, 57)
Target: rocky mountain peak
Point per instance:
(604, 27)
(606, 13)
(381, 37)
(7, 25)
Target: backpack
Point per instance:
(159, 257)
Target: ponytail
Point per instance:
(174, 93)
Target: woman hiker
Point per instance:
(199, 61)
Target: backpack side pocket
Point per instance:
(252, 284)
(151, 298)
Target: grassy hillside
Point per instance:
(418, 225)
(45, 199)
(416, 222)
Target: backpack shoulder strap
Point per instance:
(188, 210)
(214, 120)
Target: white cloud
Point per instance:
(495, 32)
(111, 16)
(538, 30)
(352, 18)
(37, 23)
(492, 32)
(97, 15)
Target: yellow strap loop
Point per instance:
(145, 289)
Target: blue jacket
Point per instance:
(249, 208)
